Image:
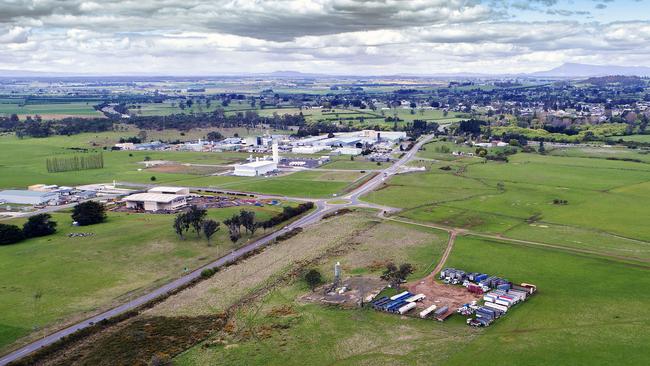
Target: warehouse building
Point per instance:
(155, 201)
(258, 167)
(255, 168)
(24, 197)
(158, 199)
(170, 190)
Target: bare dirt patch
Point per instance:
(186, 169)
(440, 294)
(352, 292)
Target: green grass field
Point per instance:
(51, 110)
(585, 312)
(53, 279)
(606, 200)
(637, 138)
(309, 184)
(588, 311)
(345, 337)
(359, 163)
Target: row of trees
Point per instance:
(85, 213)
(74, 163)
(244, 219)
(286, 214)
(37, 127)
(36, 226)
(195, 219)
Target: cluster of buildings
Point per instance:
(43, 194)
(348, 143)
(379, 144)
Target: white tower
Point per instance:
(337, 272)
(276, 154)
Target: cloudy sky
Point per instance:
(211, 37)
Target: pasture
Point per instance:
(584, 311)
(361, 244)
(50, 110)
(588, 203)
(588, 310)
(50, 281)
(127, 166)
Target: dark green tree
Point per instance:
(181, 225)
(397, 275)
(10, 234)
(313, 278)
(39, 225)
(210, 227)
(89, 213)
(195, 217)
(234, 227)
(247, 220)
(214, 136)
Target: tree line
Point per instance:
(74, 163)
(194, 219)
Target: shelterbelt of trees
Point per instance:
(37, 127)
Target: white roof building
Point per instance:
(155, 201)
(255, 168)
(27, 197)
(170, 190)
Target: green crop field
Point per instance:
(604, 210)
(51, 110)
(637, 138)
(54, 279)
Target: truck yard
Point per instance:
(461, 292)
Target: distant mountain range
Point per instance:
(567, 70)
(573, 70)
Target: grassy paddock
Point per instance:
(49, 280)
(588, 310)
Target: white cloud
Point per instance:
(335, 36)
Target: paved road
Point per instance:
(322, 208)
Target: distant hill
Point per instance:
(616, 79)
(572, 70)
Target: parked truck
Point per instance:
(406, 308)
(424, 313)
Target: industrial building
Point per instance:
(170, 190)
(258, 167)
(155, 201)
(25, 197)
(158, 199)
